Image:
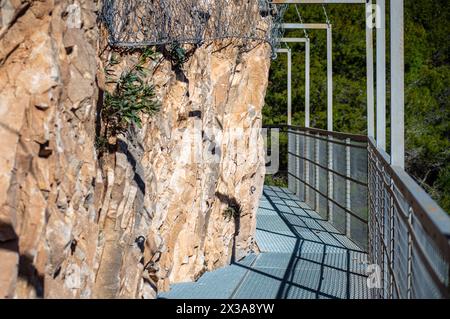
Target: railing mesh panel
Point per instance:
(351, 183)
(414, 262)
(329, 173)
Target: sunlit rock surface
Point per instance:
(71, 221)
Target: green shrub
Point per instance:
(273, 180)
(178, 54)
(131, 97)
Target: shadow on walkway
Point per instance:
(303, 256)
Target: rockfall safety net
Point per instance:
(141, 23)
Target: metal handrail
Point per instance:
(408, 233)
(422, 211)
(340, 135)
(431, 215)
(310, 175)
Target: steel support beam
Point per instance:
(307, 114)
(330, 119)
(369, 57)
(397, 85)
(328, 27)
(289, 83)
(370, 75)
(294, 40)
(381, 74)
(292, 183)
(329, 79)
(289, 92)
(308, 26)
(307, 74)
(330, 178)
(307, 84)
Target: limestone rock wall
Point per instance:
(216, 102)
(187, 183)
(50, 180)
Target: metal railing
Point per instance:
(408, 234)
(328, 171)
(349, 182)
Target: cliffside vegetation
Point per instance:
(130, 97)
(427, 84)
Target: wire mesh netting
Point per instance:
(140, 23)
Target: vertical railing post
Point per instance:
(291, 160)
(347, 188)
(409, 273)
(387, 205)
(381, 74)
(372, 200)
(369, 218)
(377, 217)
(297, 163)
(391, 242)
(370, 77)
(382, 219)
(397, 85)
(317, 177)
(380, 216)
(375, 231)
(374, 217)
(330, 178)
(307, 165)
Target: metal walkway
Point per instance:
(302, 256)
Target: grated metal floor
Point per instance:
(302, 256)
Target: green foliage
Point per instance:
(178, 54)
(275, 180)
(231, 212)
(101, 144)
(132, 96)
(427, 96)
(427, 84)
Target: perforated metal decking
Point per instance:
(302, 256)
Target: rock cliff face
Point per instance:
(177, 197)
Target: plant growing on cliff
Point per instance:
(178, 55)
(131, 97)
(231, 212)
(101, 144)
